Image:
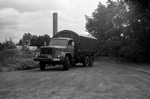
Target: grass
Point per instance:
(11, 60)
(107, 59)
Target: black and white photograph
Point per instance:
(74, 49)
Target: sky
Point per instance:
(35, 16)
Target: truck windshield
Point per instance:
(58, 42)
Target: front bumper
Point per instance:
(48, 59)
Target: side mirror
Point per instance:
(72, 44)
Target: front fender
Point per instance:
(63, 54)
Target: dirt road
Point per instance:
(102, 81)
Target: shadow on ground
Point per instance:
(58, 68)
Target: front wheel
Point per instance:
(42, 65)
(66, 63)
(86, 61)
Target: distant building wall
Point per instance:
(19, 48)
(32, 48)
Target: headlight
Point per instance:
(61, 55)
(36, 55)
(50, 57)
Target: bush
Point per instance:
(7, 53)
(27, 64)
(11, 60)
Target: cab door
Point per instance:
(71, 47)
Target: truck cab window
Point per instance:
(70, 43)
(58, 42)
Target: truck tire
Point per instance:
(91, 61)
(42, 65)
(66, 63)
(86, 61)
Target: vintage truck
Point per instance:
(68, 48)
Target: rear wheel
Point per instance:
(91, 61)
(86, 61)
(42, 65)
(66, 63)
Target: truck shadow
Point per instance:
(59, 68)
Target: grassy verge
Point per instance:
(11, 60)
(107, 59)
(123, 62)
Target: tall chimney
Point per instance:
(55, 23)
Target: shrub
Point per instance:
(27, 64)
(11, 60)
(7, 53)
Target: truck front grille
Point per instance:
(46, 51)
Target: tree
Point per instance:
(8, 44)
(34, 40)
(20, 42)
(139, 26)
(122, 28)
(40, 40)
(106, 24)
(1, 46)
(43, 39)
(26, 38)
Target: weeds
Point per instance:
(11, 60)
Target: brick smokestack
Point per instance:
(55, 23)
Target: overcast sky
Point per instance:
(35, 16)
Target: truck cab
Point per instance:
(59, 51)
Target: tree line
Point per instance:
(27, 39)
(34, 40)
(8, 44)
(122, 28)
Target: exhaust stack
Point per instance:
(55, 23)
